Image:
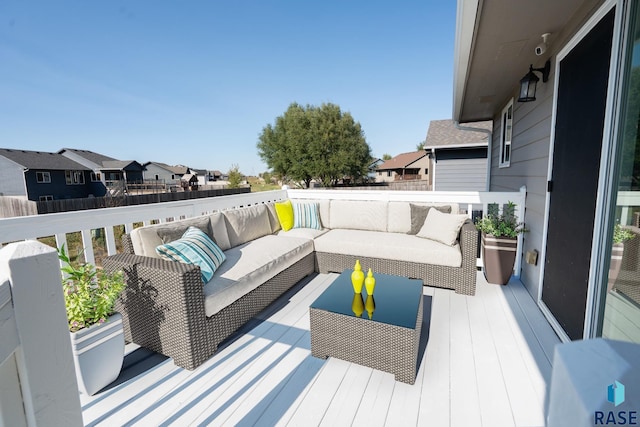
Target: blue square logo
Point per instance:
(615, 393)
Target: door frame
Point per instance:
(596, 265)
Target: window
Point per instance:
(74, 177)
(46, 198)
(95, 177)
(388, 173)
(43, 177)
(505, 135)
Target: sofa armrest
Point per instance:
(469, 244)
(162, 306)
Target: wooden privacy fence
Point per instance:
(16, 206)
(67, 205)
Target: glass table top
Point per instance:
(395, 299)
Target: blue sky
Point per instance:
(195, 82)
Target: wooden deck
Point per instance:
(484, 361)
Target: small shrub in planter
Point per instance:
(499, 242)
(89, 293)
(96, 332)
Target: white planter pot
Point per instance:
(98, 353)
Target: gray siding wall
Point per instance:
(530, 147)
(163, 174)
(529, 167)
(11, 178)
(461, 175)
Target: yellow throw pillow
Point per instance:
(284, 210)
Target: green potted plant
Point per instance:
(96, 331)
(620, 235)
(499, 242)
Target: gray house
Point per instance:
(458, 155)
(42, 176)
(566, 115)
(161, 172)
(105, 168)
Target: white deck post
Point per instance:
(44, 359)
(517, 271)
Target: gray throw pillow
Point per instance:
(419, 214)
(172, 231)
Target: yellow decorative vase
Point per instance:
(370, 282)
(357, 305)
(357, 278)
(370, 305)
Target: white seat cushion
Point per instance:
(395, 246)
(249, 266)
(306, 233)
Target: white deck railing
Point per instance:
(59, 224)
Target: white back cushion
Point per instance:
(246, 224)
(359, 214)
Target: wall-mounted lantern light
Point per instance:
(529, 82)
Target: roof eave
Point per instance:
(444, 147)
(466, 19)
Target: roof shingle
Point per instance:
(443, 133)
(403, 160)
(41, 160)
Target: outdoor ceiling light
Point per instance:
(529, 82)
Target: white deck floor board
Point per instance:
(344, 405)
(486, 362)
(515, 361)
(494, 399)
(465, 404)
(374, 404)
(436, 365)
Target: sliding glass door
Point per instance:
(622, 300)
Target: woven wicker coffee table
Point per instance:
(381, 333)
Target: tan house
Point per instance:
(405, 167)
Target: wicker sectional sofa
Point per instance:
(167, 308)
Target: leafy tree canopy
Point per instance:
(311, 142)
(386, 156)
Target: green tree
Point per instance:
(235, 177)
(386, 156)
(420, 146)
(311, 142)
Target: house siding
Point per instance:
(529, 167)
(152, 170)
(461, 175)
(11, 178)
(58, 187)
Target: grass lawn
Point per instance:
(259, 185)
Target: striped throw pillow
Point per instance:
(195, 247)
(306, 215)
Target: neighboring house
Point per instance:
(458, 157)
(373, 169)
(405, 167)
(215, 175)
(573, 145)
(40, 176)
(180, 170)
(160, 172)
(202, 176)
(105, 168)
(189, 181)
